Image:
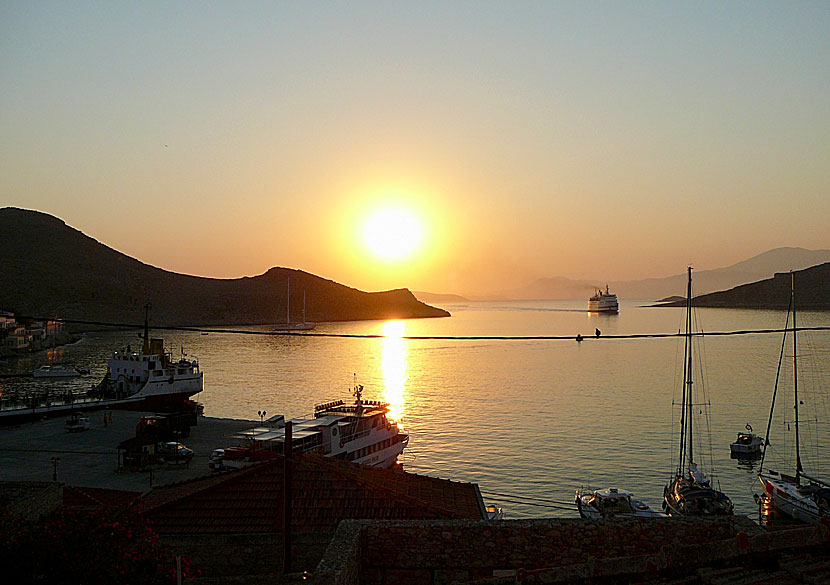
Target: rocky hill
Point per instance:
(811, 292)
(757, 268)
(50, 269)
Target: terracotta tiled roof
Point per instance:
(325, 491)
(88, 497)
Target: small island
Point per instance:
(811, 286)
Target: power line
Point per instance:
(515, 496)
(587, 337)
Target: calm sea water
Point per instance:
(523, 419)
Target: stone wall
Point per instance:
(437, 552)
(246, 557)
(30, 499)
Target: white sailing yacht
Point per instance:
(288, 325)
(691, 493)
(799, 496)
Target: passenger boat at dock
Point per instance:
(603, 302)
(135, 380)
(360, 432)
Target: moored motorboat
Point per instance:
(612, 503)
(603, 302)
(747, 444)
(56, 371)
(494, 512)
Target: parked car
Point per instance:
(173, 452)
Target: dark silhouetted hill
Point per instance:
(811, 292)
(48, 268)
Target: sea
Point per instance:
(528, 420)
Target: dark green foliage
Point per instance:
(73, 547)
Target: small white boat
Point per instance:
(494, 512)
(747, 444)
(612, 503)
(603, 302)
(56, 371)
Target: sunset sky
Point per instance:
(498, 141)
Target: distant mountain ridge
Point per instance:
(757, 268)
(51, 269)
(428, 297)
(811, 292)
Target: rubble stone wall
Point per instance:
(437, 552)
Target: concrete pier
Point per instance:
(90, 458)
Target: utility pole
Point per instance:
(286, 499)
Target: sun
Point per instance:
(392, 234)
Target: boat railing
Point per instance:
(355, 436)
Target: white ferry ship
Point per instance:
(145, 380)
(603, 302)
(360, 432)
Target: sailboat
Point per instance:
(288, 325)
(691, 493)
(799, 496)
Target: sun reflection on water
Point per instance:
(393, 368)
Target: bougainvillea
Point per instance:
(101, 547)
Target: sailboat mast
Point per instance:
(688, 376)
(798, 468)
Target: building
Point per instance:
(18, 338)
(241, 512)
(7, 320)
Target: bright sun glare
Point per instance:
(392, 233)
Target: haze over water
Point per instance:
(533, 418)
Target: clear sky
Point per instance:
(605, 140)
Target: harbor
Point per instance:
(585, 405)
(91, 458)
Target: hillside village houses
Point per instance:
(32, 336)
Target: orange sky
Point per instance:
(581, 140)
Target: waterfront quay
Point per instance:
(45, 451)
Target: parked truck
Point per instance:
(165, 427)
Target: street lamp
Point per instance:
(261, 414)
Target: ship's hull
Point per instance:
(686, 498)
(385, 458)
(603, 307)
(154, 396)
(787, 499)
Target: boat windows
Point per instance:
(612, 506)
